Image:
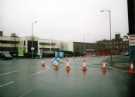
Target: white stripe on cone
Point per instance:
(131, 66)
(84, 66)
(68, 66)
(131, 69)
(104, 65)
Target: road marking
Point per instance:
(7, 73)
(116, 69)
(6, 84)
(26, 93)
(39, 72)
(120, 70)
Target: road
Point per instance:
(27, 78)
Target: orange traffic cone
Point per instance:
(104, 68)
(131, 69)
(55, 67)
(104, 65)
(43, 65)
(84, 67)
(68, 67)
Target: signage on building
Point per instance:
(131, 40)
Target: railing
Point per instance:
(8, 38)
(8, 45)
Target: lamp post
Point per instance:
(110, 31)
(32, 45)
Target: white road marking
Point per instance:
(8, 73)
(120, 70)
(26, 93)
(6, 84)
(39, 72)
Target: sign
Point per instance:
(131, 40)
(59, 54)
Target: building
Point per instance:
(83, 48)
(34, 46)
(67, 48)
(119, 45)
(47, 47)
(10, 44)
(1, 33)
(116, 46)
(103, 47)
(28, 46)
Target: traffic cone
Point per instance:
(68, 67)
(43, 65)
(131, 69)
(104, 68)
(84, 67)
(104, 65)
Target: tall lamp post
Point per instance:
(110, 31)
(32, 45)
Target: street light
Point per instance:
(32, 47)
(110, 30)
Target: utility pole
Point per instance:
(110, 31)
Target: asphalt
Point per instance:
(27, 78)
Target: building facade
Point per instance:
(10, 44)
(83, 48)
(116, 46)
(22, 46)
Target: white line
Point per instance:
(26, 93)
(39, 72)
(6, 84)
(7, 73)
(119, 70)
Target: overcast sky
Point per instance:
(75, 20)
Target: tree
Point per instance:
(14, 35)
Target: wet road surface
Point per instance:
(27, 78)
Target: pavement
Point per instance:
(27, 78)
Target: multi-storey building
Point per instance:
(10, 44)
(22, 46)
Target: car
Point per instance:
(5, 55)
(126, 54)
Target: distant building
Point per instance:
(22, 46)
(1, 33)
(10, 44)
(83, 48)
(34, 46)
(115, 46)
(47, 47)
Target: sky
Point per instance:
(69, 20)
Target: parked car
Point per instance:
(5, 55)
(125, 54)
